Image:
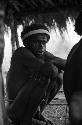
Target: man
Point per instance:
(72, 80)
(33, 78)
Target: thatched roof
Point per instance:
(41, 10)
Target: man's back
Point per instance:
(22, 68)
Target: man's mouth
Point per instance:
(40, 52)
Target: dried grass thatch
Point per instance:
(41, 11)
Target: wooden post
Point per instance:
(3, 116)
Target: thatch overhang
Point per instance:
(43, 11)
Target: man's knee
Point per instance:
(60, 79)
(57, 82)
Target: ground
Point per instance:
(57, 110)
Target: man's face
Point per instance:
(38, 44)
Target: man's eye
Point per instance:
(44, 43)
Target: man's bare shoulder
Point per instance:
(22, 51)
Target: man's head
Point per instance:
(35, 38)
(78, 24)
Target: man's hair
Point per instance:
(31, 31)
(78, 24)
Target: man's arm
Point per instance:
(57, 61)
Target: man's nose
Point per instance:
(41, 45)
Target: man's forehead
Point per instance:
(41, 37)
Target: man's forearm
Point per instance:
(60, 63)
(57, 61)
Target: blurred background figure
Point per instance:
(72, 80)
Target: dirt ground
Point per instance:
(57, 110)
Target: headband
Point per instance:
(43, 31)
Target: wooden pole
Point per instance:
(3, 116)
